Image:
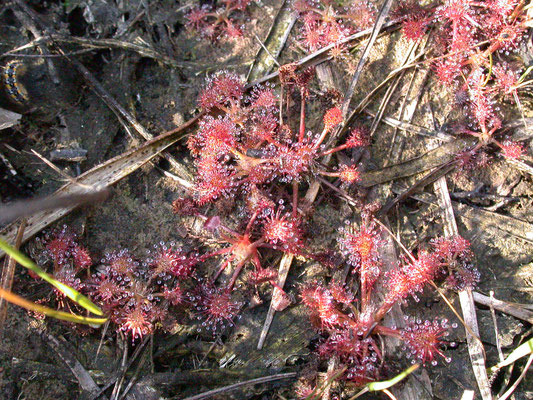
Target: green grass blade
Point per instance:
(381, 385)
(67, 290)
(523, 350)
(22, 302)
(526, 73)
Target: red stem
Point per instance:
(223, 267)
(294, 200)
(387, 331)
(334, 150)
(236, 273)
(364, 290)
(252, 220)
(216, 253)
(302, 117)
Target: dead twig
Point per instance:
(118, 374)
(226, 389)
(510, 391)
(515, 310)
(431, 177)
(495, 323)
(323, 54)
(101, 44)
(380, 21)
(56, 169)
(408, 127)
(84, 378)
(432, 159)
(363, 103)
(475, 347)
(135, 376)
(6, 280)
(283, 272)
(123, 368)
(118, 109)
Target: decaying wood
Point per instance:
(475, 347)
(8, 118)
(6, 278)
(516, 310)
(84, 378)
(277, 35)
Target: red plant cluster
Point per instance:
(326, 23)
(214, 307)
(468, 47)
(214, 22)
(67, 257)
(470, 42)
(137, 295)
(254, 154)
(62, 247)
(242, 149)
(351, 326)
(422, 339)
(249, 147)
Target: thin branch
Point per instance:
(226, 389)
(515, 385)
(516, 310)
(6, 280)
(383, 13)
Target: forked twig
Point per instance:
(118, 373)
(516, 310)
(283, 272)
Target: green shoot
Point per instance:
(49, 312)
(385, 385)
(71, 293)
(523, 350)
